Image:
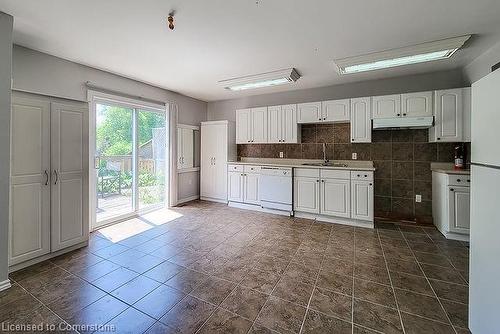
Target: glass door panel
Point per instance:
(151, 132)
(114, 162)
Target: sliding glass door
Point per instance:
(130, 150)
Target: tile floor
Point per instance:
(207, 268)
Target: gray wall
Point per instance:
(220, 110)
(481, 66)
(5, 80)
(41, 73)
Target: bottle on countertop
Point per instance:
(459, 157)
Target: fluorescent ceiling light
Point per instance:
(261, 80)
(415, 54)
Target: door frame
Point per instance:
(96, 97)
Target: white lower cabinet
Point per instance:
(306, 196)
(334, 193)
(362, 200)
(243, 184)
(451, 204)
(336, 197)
(49, 177)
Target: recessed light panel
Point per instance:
(403, 56)
(261, 80)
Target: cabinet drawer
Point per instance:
(306, 172)
(361, 175)
(235, 168)
(335, 174)
(251, 169)
(459, 180)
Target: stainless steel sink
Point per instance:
(324, 164)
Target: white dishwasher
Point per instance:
(275, 185)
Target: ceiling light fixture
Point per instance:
(170, 20)
(415, 54)
(268, 79)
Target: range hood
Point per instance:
(403, 123)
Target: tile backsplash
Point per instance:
(402, 160)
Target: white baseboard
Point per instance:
(4, 285)
(255, 207)
(335, 220)
(456, 236)
(218, 200)
(188, 199)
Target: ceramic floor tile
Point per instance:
(115, 279)
(159, 301)
(260, 280)
(317, 323)
(457, 312)
(223, 321)
(454, 292)
(280, 315)
(411, 282)
(418, 325)
(374, 292)
(245, 302)
(131, 321)
(377, 317)
(135, 289)
(332, 303)
(425, 306)
(213, 290)
(188, 315)
(294, 291)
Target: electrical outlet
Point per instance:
(418, 198)
(281, 154)
(354, 156)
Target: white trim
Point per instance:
(188, 126)
(254, 207)
(172, 163)
(217, 200)
(335, 220)
(214, 122)
(188, 170)
(188, 199)
(4, 285)
(46, 257)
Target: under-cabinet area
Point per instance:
(337, 195)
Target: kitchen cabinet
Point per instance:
(451, 204)
(324, 112)
(48, 177)
(309, 112)
(251, 126)
(361, 124)
(416, 104)
(217, 148)
(243, 184)
(388, 106)
(336, 110)
(282, 124)
(362, 200)
(448, 116)
(185, 147)
(306, 194)
(336, 197)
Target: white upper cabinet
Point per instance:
(416, 104)
(448, 116)
(388, 106)
(251, 125)
(361, 124)
(185, 147)
(309, 112)
(243, 126)
(259, 125)
(275, 121)
(336, 110)
(282, 124)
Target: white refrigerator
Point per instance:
(484, 290)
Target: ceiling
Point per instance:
(220, 39)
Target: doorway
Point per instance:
(129, 154)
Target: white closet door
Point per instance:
(69, 190)
(29, 229)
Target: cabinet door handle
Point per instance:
(439, 138)
(56, 175)
(398, 114)
(404, 114)
(323, 181)
(451, 189)
(324, 118)
(371, 184)
(468, 181)
(317, 180)
(46, 178)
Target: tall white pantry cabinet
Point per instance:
(49, 176)
(218, 147)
